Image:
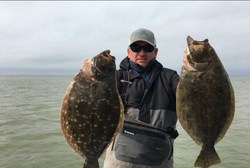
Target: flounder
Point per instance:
(92, 112)
(205, 100)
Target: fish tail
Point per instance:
(91, 163)
(207, 158)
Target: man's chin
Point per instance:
(143, 64)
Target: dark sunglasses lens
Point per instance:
(146, 48)
(136, 48)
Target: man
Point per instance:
(151, 98)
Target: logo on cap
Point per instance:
(139, 34)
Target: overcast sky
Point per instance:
(54, 37)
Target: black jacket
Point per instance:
(155, 104)
(142, 147)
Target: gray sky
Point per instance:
(54, 37)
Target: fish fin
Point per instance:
(77, 75)
(91, 163)
(207, 158)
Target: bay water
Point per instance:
(31, 136)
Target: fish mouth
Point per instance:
(86, 68)
(99, 66)
(187, 65)
(103, 65)
(197, 53)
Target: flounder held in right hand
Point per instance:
(92, 110)
(205, 101)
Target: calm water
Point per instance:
(31, 137)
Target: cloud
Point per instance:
(56, 36)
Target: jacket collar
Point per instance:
(156, 69)
(124, 65)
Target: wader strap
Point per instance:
(125, 86)
(134, 123)
(172, 132)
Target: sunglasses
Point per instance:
(146, 48)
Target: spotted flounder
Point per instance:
(205, 99)
(92, 112)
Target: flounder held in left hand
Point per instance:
(92, 110)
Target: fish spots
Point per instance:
(86, 119)
(203, 101)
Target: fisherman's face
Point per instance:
(142, 58)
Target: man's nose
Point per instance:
(142, 52)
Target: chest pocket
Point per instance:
(142, 144)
